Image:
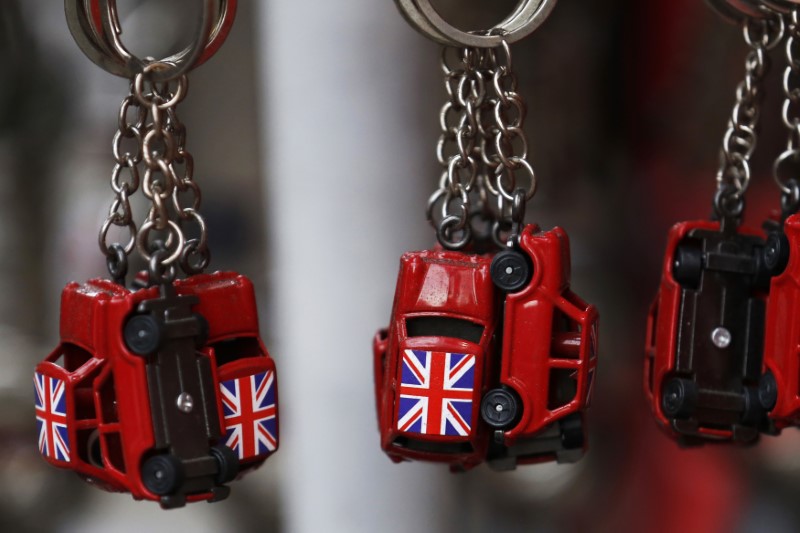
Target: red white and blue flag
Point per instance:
(436, 392)
(248, 405)
(51, 417)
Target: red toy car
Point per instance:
(549, 355)
(779, 390)
(429, 369)
(451, 389)
(705, 334)
(168, 397)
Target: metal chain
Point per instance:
(160, 139)
(125, 181)
(786, 167)
(449, 206)
(505, 151)
(739, 141)
(483, 150)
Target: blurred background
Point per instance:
(313, 132)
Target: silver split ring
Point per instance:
(526, 17)
(95, 26)
(737, 11)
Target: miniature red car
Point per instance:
(451, 389)
(168, 397)
(779, 390)
(705, 334)
(549, 355)
(430, 367)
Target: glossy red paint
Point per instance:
(436, 284)
(109, 408)
(782, 333)
(549, 352)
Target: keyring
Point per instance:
(737, 11)
(89, 41)
(527, 16)
(782, 6)
(91, 30)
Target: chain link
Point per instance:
(739, 141)
(449, 207)
(482, 149)
(787, 165)
(151, 136)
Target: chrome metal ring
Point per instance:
(737, 11)
(526, 17)
(782, 6)
(95, 26)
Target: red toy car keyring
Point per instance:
(175, 406)
(164, 390)
(705, 332)
(489, 356)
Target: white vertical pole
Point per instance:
(346, 169)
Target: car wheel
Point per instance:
(768, 391)
(752, 412)
(776, 252)
(162, 474)
(687, 266)
(679, 398)
(572, 434)
(227, 463)
(142, 334)
(510, 270)
(500, 408)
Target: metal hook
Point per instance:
(525, 18)
(95, 26)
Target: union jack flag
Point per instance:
(248, 405)
(436, 391)
(51, 417)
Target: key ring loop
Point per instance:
(526, 17)
(95, 26)
(737, 11)
(782, 6)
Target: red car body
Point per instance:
(97, 405)
(549, 353)
(782, 335)
(720, 381)
(437, 290)
(544, 352)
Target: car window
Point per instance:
(439, 326)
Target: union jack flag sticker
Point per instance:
(248, 405)
(436, 393)
(51, 417)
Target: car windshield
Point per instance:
(439, 326)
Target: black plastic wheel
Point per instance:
(227, 463)
(142, 334)
(510, 270)
(768, 391)
(572, 434)
(500, 408)
(162, 474)
(687, 266)
(94, 451)
(202, 338)
(776, 252)
(752, 412)
(679, 398)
